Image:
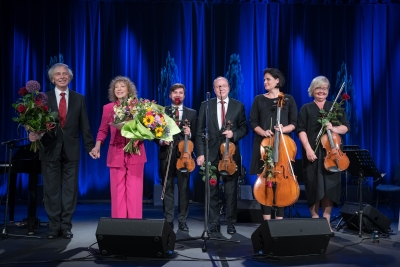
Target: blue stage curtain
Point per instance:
(358, 40)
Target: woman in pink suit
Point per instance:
(126, 170)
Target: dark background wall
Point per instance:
(157, 43)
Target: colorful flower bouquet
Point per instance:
(143, 119)
(33, 113)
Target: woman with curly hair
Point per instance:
(126, 170)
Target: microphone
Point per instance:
(13, 141)
(208, 96)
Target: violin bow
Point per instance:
(322, 127)
(166, 173)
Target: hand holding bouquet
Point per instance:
(143, 119)
(33, 113)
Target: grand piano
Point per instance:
(24, 161)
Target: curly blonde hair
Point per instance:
(131, 87)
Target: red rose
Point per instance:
(45, 108)
(213, 181)
(21, 109)
(345, 97)
(23, 91)
(50, 125)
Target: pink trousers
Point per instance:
(126, 185)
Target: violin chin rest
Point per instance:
(334, 169)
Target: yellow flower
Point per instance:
(148, 120)
(149, 109)
(159, 131)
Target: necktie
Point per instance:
(62, 110)
(222, 113)
(177, 115)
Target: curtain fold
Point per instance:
(156, 43)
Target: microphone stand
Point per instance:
(4, 233)
(206, 235)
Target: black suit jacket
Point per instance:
(188, 114)
(76, 120)
(235, 113)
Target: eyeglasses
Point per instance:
(322, 88)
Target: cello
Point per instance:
(185, 163)
(227, 166)
(277, 185)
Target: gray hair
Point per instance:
(318, 81)
(56, 65)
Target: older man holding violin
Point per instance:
(176, 161)
(222, 110)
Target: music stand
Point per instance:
(361, 165)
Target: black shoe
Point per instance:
(215, 228)
(183, 227)
(67, 234)
(53, 234)
(171, 224)
(231, 229)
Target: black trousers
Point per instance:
(60, 190)
(183, 189)
(230, 194)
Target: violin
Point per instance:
(335, 160)
(227, 166)
(277, 185)
(185, 163)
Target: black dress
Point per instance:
(317, 180)
(263, 114)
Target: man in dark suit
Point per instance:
(61, 151)
(181, 113)
(221, 110)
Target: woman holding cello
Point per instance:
(263, 117)
(322, 187)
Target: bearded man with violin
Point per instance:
(222, 110)
(322, 187)
(170, 157)
(263, 121)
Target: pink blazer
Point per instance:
(116, 156)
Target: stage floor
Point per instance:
(345, 249)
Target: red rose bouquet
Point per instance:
(32, 111)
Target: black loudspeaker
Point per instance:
(135, 238)
(249, 211)
(372, 219)
(290, 237)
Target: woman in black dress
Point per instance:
(322, 187)
(263, 122)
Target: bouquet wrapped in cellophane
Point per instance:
(143, 119)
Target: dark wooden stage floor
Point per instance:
(345, 249)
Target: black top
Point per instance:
(263, 113)
(317, 180)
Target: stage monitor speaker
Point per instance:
(291, 237)
(249, 211)
(373, 219)
(135, 238)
